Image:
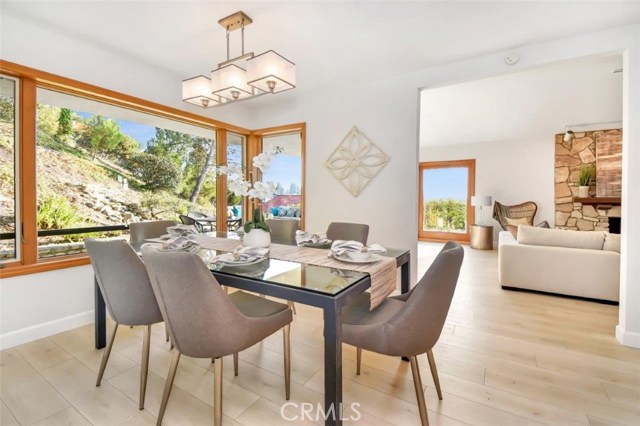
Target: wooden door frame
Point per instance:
(296, 128)
(470, 164)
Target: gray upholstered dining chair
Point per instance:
(205, 322)
(124, 283)
(409, 324)
(140, 231)
(283, 229)
(348, 231)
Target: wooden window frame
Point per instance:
(471, 188)
(256, 143)
(30, 80)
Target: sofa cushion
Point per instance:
(534, 236)
(611, 242)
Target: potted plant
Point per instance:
(586, 175)
(256, 231)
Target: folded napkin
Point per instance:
(180, 243)
(242, 254)
(182, 230)
(340, 247)
(307, 238)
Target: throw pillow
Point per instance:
(513, 230)
(611, 242)
(274, 211)
(518, 221)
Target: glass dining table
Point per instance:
(327, 288)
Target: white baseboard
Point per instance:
(38, 331)
(627, 338)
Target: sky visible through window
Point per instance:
(450, 182)
(285, 169)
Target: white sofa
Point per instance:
(572, 263)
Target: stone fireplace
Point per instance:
(601, 150)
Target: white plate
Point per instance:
(345, 258)
(241, 262)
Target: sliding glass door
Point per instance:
(445, 211)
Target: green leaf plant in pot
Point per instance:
(585, 178)
(256, 231)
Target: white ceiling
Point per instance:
(332, 42)
(524, 106)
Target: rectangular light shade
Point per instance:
(481, 200)
(230, 82)
(197, 91)
(269, 68)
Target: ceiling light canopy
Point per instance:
(243, 77)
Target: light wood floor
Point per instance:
(505, 358)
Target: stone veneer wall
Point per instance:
(570, 157)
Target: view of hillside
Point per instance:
(91, 173)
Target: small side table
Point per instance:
(481, 237)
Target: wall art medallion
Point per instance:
(356, 161)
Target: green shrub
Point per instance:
(7, 109)
(56, 212)
(164, 205)
(157, 172)
(445, 215)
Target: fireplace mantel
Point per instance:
(612, 201)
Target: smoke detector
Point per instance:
(511, 59)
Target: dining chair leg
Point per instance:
(434, 373)
(417, 383)
(217, 393)
(106, 353)
(144, 365)
(358, 360)
(292, 306)
(166, 334)
(168, 385)
(287, 361)
(235, 363)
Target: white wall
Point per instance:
(387, 111)
(388, 203)
(628, 329)
(510, 172)
(38, 305)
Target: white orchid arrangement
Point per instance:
(237, 184)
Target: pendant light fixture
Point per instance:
(243, 77)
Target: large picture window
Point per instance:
(80, 161)
(100, 165)
(9, 202)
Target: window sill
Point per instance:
(16, 269)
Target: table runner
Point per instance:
(383, 273)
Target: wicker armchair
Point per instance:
(525, 210)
